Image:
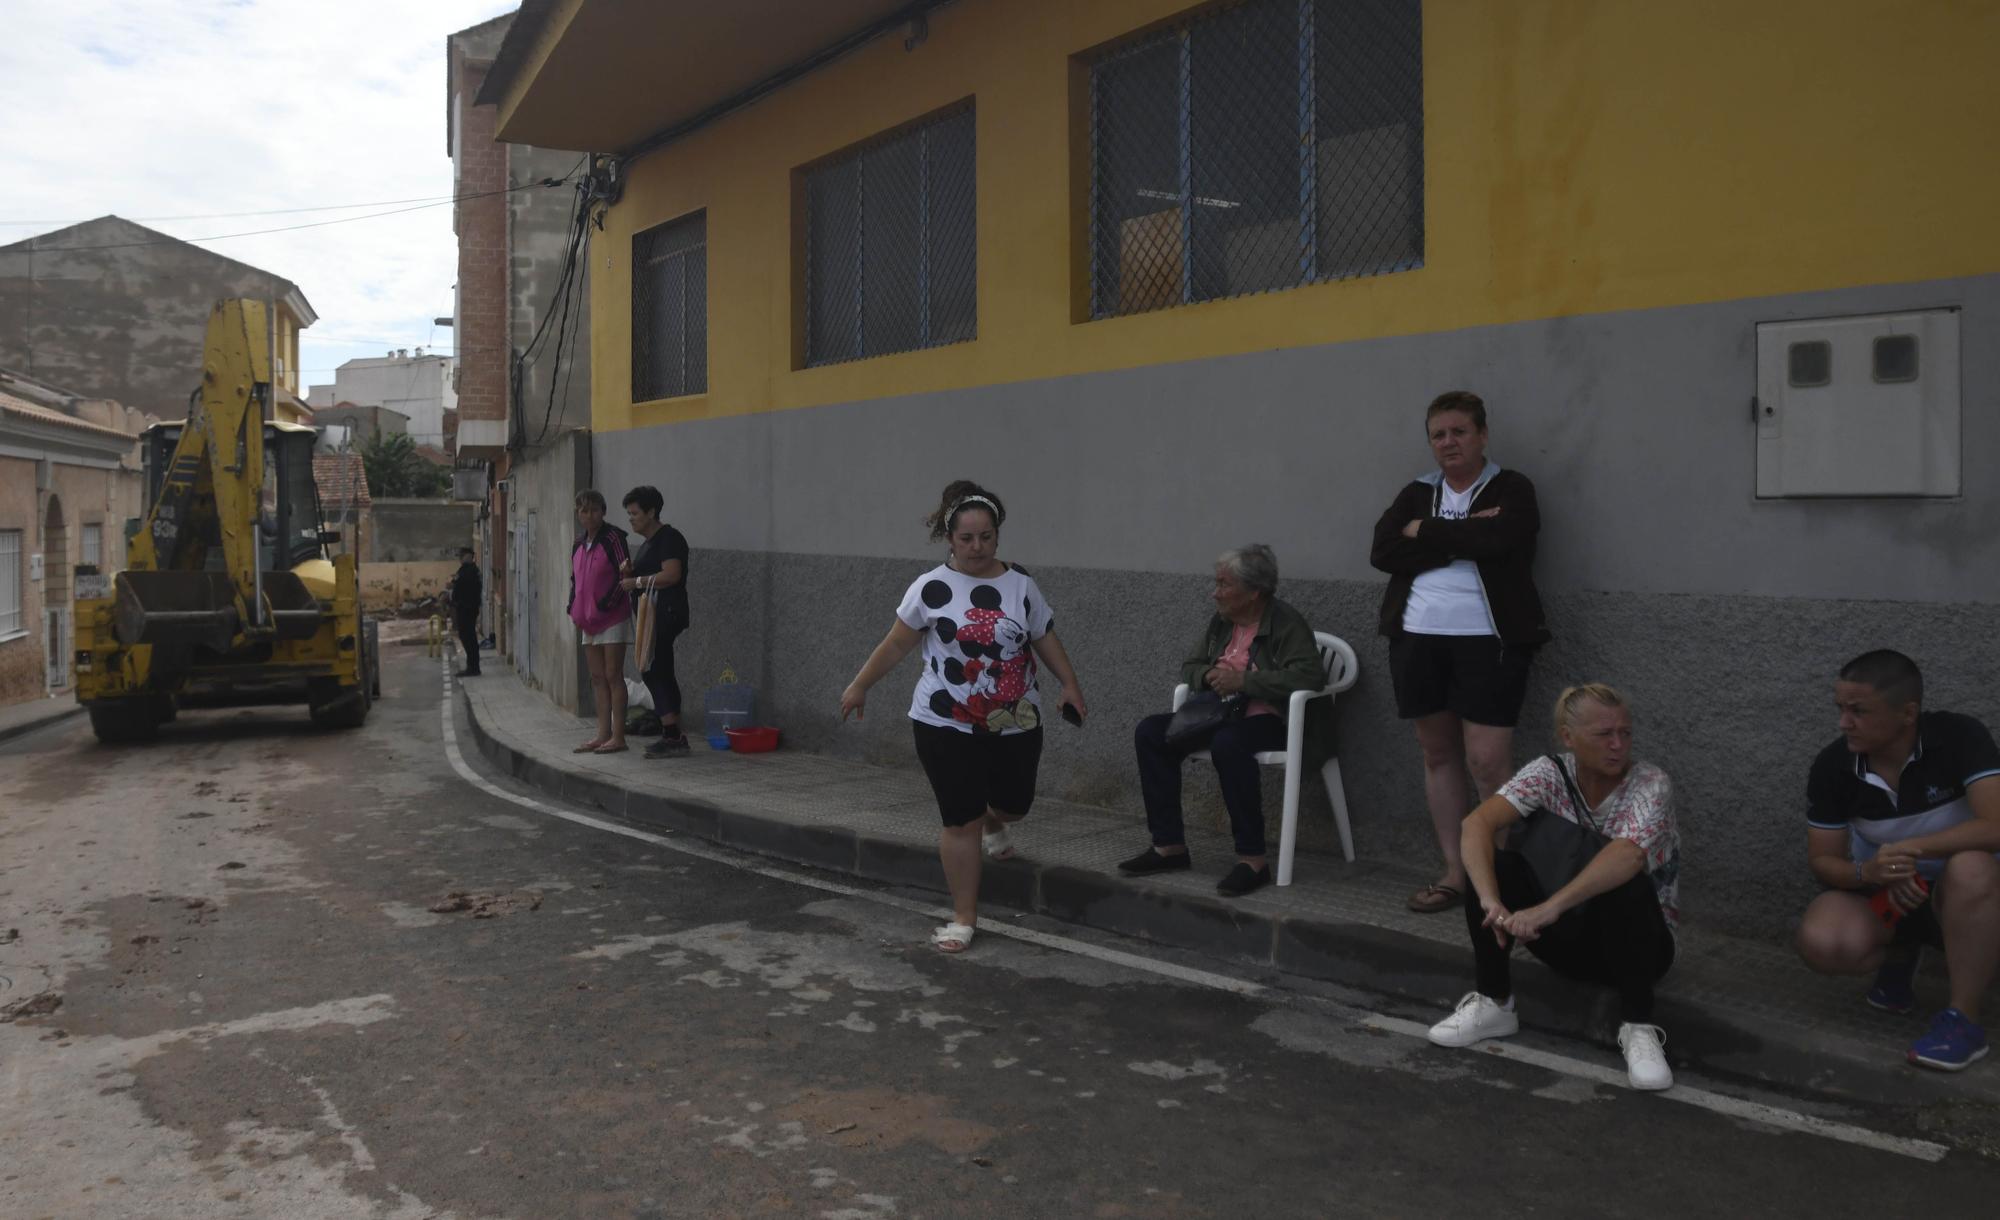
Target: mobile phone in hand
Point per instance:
(1070, 714)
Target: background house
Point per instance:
(345, 426)
(69, 481)
(420, 388)
(361, 422)
(116, 310)
(1171, 279)
(345, 504)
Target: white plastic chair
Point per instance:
(1341, 666)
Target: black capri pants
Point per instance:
(659, 677)
(1619, 938)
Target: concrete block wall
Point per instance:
(404, 530)
(1734, 725)
(543, 641)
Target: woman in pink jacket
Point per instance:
(602, 612)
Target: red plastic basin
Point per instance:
(754, 740)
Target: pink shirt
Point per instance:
(1237, 657)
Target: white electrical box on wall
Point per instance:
(1864, 406)
(34, 567)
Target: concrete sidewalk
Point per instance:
(31, 714)
(1730, 1006)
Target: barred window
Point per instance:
(93, 545)
(10, 583)
(1261, 145)
(889, 236)
(670, 309)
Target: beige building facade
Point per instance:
(69, 481)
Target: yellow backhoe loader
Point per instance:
(228, 595)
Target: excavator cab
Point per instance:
(289, 498)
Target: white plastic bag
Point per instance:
(636, 694)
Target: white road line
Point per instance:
(1703, 1099)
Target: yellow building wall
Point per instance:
(1581, 156)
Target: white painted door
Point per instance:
(57, 636)
(530, 588)
(516, 601)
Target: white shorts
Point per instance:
(620, 634)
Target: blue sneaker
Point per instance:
(1895, 988)
(1952, 1044)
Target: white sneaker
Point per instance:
(1645, 1056)
(1474, 1020)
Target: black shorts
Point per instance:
(1921, 927)
(972, 771)
(1475, 676)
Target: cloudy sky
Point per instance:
(153, 109)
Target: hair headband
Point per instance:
(962, 501)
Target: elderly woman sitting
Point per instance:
(1255, 652)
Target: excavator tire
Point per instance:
(338, 707)
(124, 722)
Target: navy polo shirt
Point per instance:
(1843, 793)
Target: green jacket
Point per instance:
(1284, 658)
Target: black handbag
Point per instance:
(1199, 717)
(1556, 848)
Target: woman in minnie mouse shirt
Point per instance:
(976, 712)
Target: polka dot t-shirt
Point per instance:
(979, 671)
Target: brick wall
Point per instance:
(481, 225)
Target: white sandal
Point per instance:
(959, 933)
(998, 845)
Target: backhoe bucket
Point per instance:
(174, 608)
(199, 608)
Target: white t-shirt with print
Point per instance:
(979, 669)
(1449, 600)
(1640, 808)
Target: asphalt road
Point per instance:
(262, 1015)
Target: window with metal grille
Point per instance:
(889, 236)
(93, 545)
(1256, 146)
(670, 309)
(10, 583)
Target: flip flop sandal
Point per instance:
(998, 845)
(1435, 898)
(587, 747)
(610, 749)
(959, 934)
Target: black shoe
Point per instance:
(1150, 861)
(1242, 879)
(668, 747)
(468, 673)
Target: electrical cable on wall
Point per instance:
(562, 306)
(317, 224)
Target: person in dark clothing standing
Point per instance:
(659, 571)
(466, 589)
(1463, 620)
